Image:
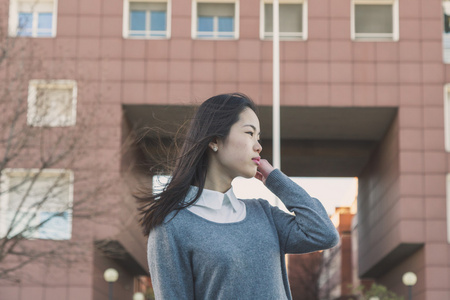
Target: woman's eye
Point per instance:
(251, 133)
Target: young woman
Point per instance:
(204, 243)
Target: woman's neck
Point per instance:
(217, 182)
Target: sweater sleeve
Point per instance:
(170, 268)
(309, 229)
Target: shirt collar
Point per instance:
(213, 199)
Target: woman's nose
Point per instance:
(258, 147)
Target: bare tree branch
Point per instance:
(29, 205)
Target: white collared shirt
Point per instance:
(216, 206)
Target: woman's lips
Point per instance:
(256, 160)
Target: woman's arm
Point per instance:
(169, 265)
(310, 228)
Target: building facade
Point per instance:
(363, 93)
(336, 278)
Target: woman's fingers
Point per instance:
(259, 176)
(265, 168)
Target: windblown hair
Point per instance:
(212, 121)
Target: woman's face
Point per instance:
(238, 153)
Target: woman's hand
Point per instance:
(264, 170)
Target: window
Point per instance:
(448, 206)
(375, 20)
(36, 204)
(447, 116)
(293, 19)
(146, 19)
(52, 103)
(32, 18)
(159, 182)
(143, 284)
(446, 31)
(214, 20)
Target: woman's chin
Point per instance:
(248, 173)
(253, 174)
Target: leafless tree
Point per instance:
(42, 146)
(304, 273)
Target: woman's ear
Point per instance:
(213, 145)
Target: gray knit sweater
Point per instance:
(193, 258)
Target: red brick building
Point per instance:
(359, 98)
(336, 280)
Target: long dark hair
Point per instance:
(212, 120)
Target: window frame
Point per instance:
(13, 18)
(8, 173)
(194, 32)
(126, 20)
(395, 21)
(447, 116)
(447, 200)
(32, 110)
(445, 36)
(262, 19)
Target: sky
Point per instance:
(331, 191)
